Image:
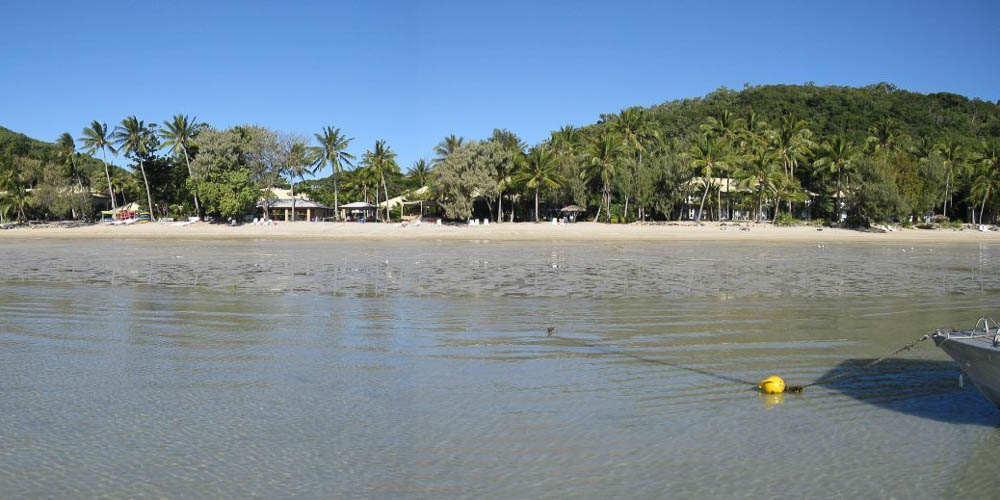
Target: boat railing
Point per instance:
(984, 325)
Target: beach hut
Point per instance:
(305, 210)
(571, 212)
(358, 210)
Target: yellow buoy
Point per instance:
(772, 385)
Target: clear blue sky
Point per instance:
(413, 72)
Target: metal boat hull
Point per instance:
(978, 357)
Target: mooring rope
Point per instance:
(907, 347)
(637, 357)
(791, 388)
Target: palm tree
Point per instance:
(725, 126)
(793, 143)
(564, 140)
(754, 132)
(67, 150)
(299, 162)
(95, 137)
(709, 155)
(420, 171)
(446, 147)
(132, 138)
(67, 154)
(883, 136)
(986, 178)
(540, 169)
(603, 153)
(381, 161)
(953, 155)
(762, 168)
(332, 149)
(635, 129)
(836, 155)
(178, 134)
(13, 194)
(513, 146)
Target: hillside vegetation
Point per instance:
(771, 152)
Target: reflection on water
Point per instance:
(319, 369)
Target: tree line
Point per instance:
(872, 153)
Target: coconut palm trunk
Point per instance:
(187, 159)
(536, 203)
(336, 199)
(701, 208)
(149, 195)
(107, 173)
(500, 207)
(385, 190)
(293, 199)
(983, 206)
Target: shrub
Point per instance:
(785, 219)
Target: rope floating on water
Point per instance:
(771, 385)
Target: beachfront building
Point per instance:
(411, 205)
(281, 205)
(739, 201)
(357, 211)
(734, 199)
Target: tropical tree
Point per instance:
(540, 169)
(634, 127)
(953, 154)
(299, 163)
(465, 173)
(96, 138)
(381, 161)
(506, 167)
(332, 149)
(446, 147)
(132, 137)
(792, 141)
(565, 140)
(725, 126)
(884, 135)
(836, 155)
(67, 152)
(13, 194)
(177, 135)
(986, 176)
(762, 169)
(420, 172)
(709, 155)
(603, 153)
(67, 155)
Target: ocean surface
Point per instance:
(206, 369)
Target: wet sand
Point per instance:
(521, 231)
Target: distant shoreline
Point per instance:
(518, 231)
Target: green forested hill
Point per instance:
(17, 144)
(833, 110)
(877, 152)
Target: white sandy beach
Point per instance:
(521, 231)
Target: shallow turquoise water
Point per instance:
(317, 369)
